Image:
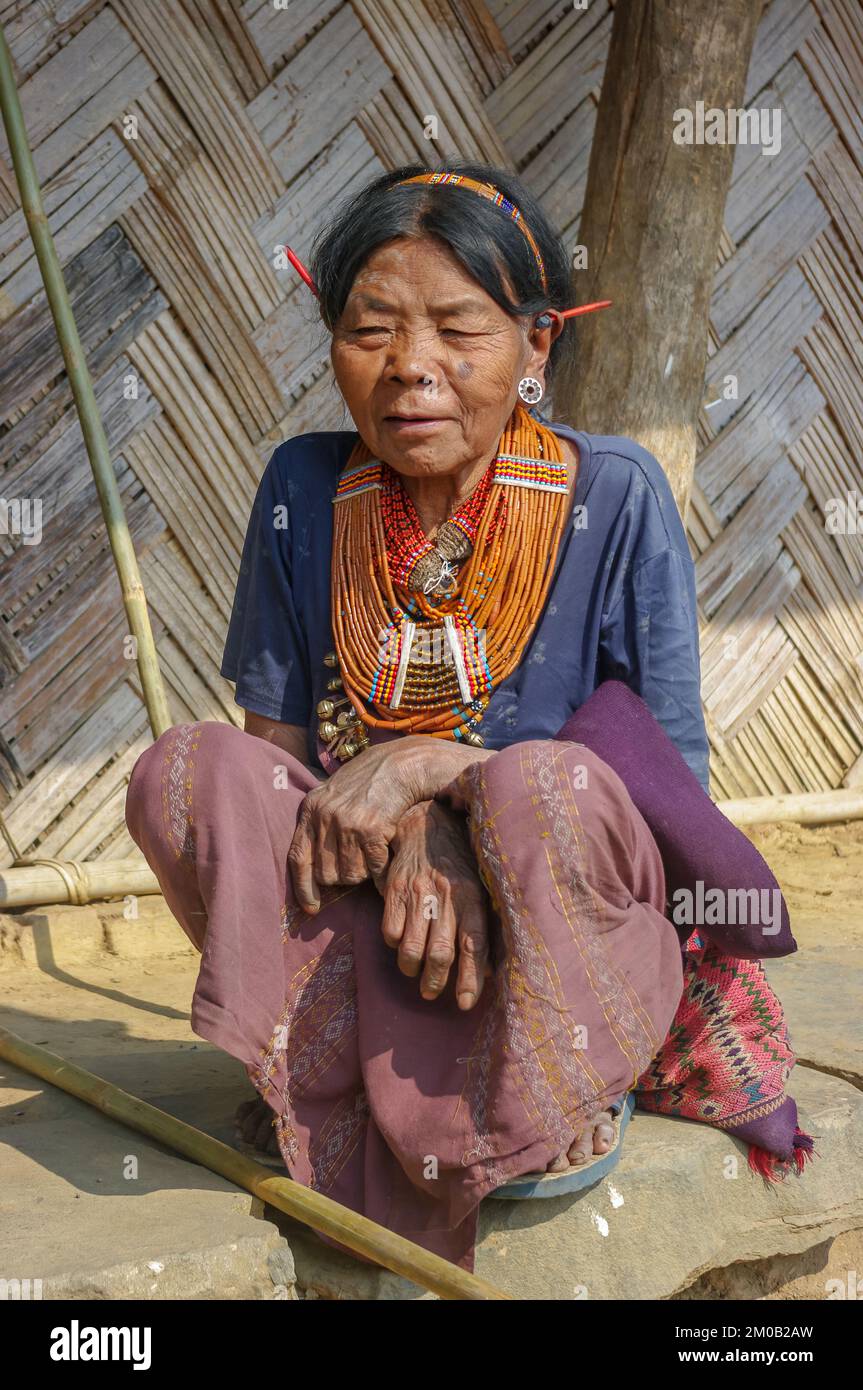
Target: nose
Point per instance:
(410, 362)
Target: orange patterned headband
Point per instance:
(485, 190)
(494, 195)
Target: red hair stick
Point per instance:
(583, 309)
(301, 270)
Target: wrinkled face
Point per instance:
(427, 362)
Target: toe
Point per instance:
(254, 1120)
(558, 1165)
(242, 1112)
(249, 1120)
(264, 1130)
(596, 1138)
(603, 1136)
(581, 1147)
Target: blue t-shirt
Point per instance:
(621, 604)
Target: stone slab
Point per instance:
(669, 1212)
(821, 989)
(95, 1210)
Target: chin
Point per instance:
(419, 468)
(419, 458)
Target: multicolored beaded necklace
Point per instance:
(425, 629)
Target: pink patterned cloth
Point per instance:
(727, 1059)
(406, 1110)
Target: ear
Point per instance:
(543, 330)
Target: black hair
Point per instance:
(481, 235)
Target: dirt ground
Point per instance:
(820, 871)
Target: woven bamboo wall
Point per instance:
(180, 141)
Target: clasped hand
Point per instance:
(377, 818)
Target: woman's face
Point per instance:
(427, 362)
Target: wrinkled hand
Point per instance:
(434, 904)
(345, 826)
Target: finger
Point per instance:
(301, 866)
(376, 853)
(395, 908)
(473, 961)
(352, 861)
(412, 946)
(327, 853)
(440, 948)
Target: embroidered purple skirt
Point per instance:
(407, 1110)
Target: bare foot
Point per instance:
(596, 1137)
(254, 1120)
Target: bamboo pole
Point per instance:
(57, 881)
(805, 808)
(313, 1209)
(134, 599)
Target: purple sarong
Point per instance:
(408, 1110)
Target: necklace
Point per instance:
(425, 630)
(414, 561)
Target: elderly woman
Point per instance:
(435, 934)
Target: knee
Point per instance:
(547, 778)
(600, 799)
(143, 794)
(162, 777)
(591, 779)
(561, 770)
(224, 761)
(216, 746)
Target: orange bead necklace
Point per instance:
(426, 659)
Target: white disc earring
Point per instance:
(530, 390)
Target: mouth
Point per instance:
(416, 422)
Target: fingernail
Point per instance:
(466, 999)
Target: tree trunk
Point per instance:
(651, 224)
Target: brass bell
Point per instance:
(335, 683)
(346, 718)
(331, 659)
(325, 708)
(327, 731)
(357, 742)
(475, 740)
